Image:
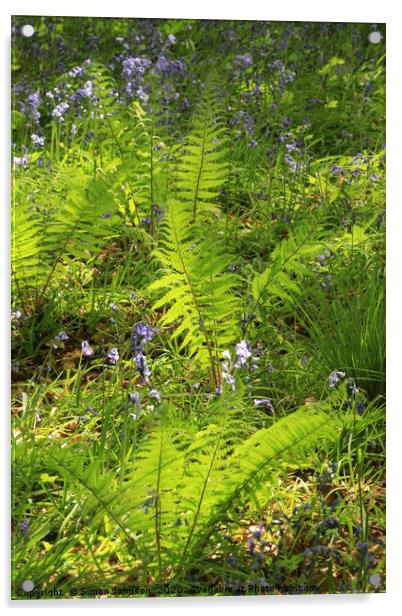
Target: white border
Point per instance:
(292, 10)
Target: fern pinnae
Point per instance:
(248, 471)
(104, 505)
(201, 499)
(195, 300)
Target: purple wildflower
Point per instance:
(113, 357)
(85, 92)
(142, 366)
(264, 402)
(37, 140)
(21, 161)
(336, 170)
(142, 333)
(16, 316)
(243, 353)
(154, 393)
(61, 336)
(231, 381)
(34, 101)
(134, 398)
(24, 526)
(334, 378)
(290, 162)
(86, 349)
(59, 111)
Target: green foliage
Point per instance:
(202, 167)
(199, 290)
(223, 192)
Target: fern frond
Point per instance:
(284, 274)
(203, 168)
(199, 291)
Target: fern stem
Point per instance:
(200, 501)
(158, 509)
(197, 186)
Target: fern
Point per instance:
(176, 491)
(202, 167)
(71, 218)
(199, 292)
(284, 274)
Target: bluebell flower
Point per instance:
(134, 398)
(360, 407)
(290, 162)
(113, 357)
(16, 316)
(336, 170)
(86, 349)
(59, 111)
(243, 353)
(86, 91)
(154, 393)
(142, 366)
(76, 71)
(37, 139)
(142, 333)
(278, 64)
(133, 295)
(334, 377)
(113, 307)
(172, 39)
(218, 390)
(34, 101)
(352, 386)
(231, 381)
(21, 161)
(24, 526)
(243, 61)
(264, 402)
(61, 336)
